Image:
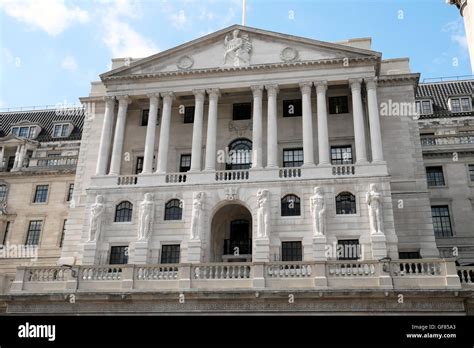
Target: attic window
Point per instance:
(62, 130)
(424, 107)
(460, 104)
(29, 132)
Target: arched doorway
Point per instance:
(240, 153)
(231, 234)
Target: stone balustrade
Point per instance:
(252, 175)
(413, 274)
(466, 275)
(433, 140)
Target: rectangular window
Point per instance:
(41, 194)
(145, 114)
(291, 251)
(348, 249)
(6, 232)
(461, 104)
(69, 192)
(139, 165)
(185, 163)
(405, 255)
(292, 108)
(471, 172)
(441, 221)
(170, 253)
(34, 231)
(188, 114)
(63, 231)
(435, 176)
(118, 255)
(3, 192)
(341, 154)
(145, 117)
(11, 163)
(466, 104)
(242, 111)
(60, 130)
(338, 105)
(292, 157)
(423, 107)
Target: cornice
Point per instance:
(391, 80)
(256, 67)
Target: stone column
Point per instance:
(150, 133)
(323, 133)
(116, 161)
(272, 126)
(105, 137)
(211, 130)
(374, 120)
(21, 156)
(308, 152)
(165, 132)
(2, 157)
(199, 95)
(17, 158)
(257, 152)
(358, 115)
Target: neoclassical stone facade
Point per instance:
(243, 160)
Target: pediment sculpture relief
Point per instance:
(237, 49)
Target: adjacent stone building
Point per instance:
(38, 156)
(244, 168)
(447, 139)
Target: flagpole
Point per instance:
(244, 12)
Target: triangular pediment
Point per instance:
(236, 47)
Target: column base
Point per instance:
(194, 251)
(379, 246)
(319, 248)
(90, 254)
(262, 250)
(324, 165)
(140, 253)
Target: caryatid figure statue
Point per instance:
(196, 215)
(97, 217)
(374, 203)
(263, 213)
(147, 217)
(318, 212)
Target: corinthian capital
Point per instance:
(355, 83)
(272, 89)
(370, 82)
(214, 93)
(305, 87)
(124, 99)
(199, 94)
(257, 90)
(321, 86)
(167, 96)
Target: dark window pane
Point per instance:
(70, 192)
(441, 221)
(455, 105)
(434, 176)
(345, 203)
(242, 111)
(170, 253)
(62, 234)
(188, 114)
(471, 172)
(240, 153)
(185, 163)
(41, 194)
(292, 157)
(139, 165)
(466, 104)
(402, 255)
(145, 117)
(338, 105)
(118, 255)
(123, 212)
(292, 108)
(348, 249)
(173, 210)
(291, 251)
(34, 231)
(3, 193)
(290, 206)
(341, 154)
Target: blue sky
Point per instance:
(52, 49)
